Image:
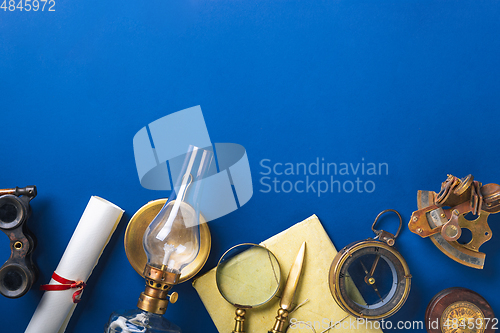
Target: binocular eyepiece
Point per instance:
(19, 272)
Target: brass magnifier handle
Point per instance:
(281, 319)
(239, 321)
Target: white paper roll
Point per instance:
(97, 224)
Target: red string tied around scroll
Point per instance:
(65, 285)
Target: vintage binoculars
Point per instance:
(18, 273)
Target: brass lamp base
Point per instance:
(155, 298)
(152, 304)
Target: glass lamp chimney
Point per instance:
(172, 240)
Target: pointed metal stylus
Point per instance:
(289, 291)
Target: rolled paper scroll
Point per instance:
(97, 224)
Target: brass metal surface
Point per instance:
(458, 316)
(152, 304)
(491, 196)
(418, 222)
(135, 232)
(173, 297)
(338, 262)
(158, 278)
(293, 279)
(466, 254)
(239, 321)
(451, 230)
(155, 297)
(157, 292)
(289, 290)
(455, 191)
(384, 235)
(459, 310)
(481, 232)
(281, 319)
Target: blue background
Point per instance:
(414, 84)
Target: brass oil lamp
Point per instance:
(175, 245)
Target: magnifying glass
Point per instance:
(247, 276)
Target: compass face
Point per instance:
(370, 280)
(462, 317)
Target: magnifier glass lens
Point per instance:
(248, 276)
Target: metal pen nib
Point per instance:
(289, 291)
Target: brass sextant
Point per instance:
(460, 204)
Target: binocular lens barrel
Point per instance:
(18, 273)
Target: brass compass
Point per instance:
(459, 310)
(369, 278)
(458, 314)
